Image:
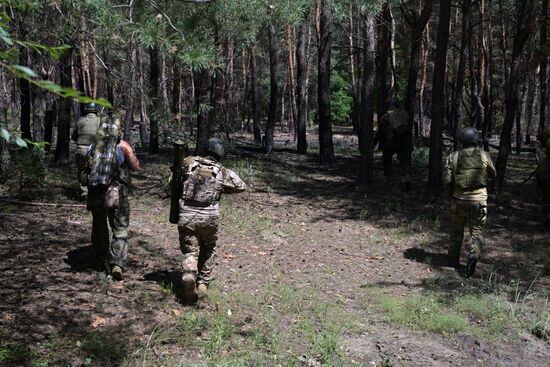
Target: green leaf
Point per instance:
(20, 142)
(24, 71)
(4, 134)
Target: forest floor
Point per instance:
(312, 270)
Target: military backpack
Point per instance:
(202, 184)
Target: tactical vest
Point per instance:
(203, 183)
(87, 129)
(470, 172)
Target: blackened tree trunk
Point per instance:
(25, 95)
(154, 82)
(525, 17)
(302, 85)
(456, 103)
(543, 75)
(366, 132)
(326, 148)
(274, 87)
(61, 156)
(438, 97)
(417, 24)
(384, 48)
(256, 97)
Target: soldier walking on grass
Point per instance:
(109, 162)
(84, 135)
(204, 181)
(468, 172)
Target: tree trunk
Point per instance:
(355, 90)
(292, 113)
(49, 118)
(154, 93)
(488, 90)
(108, 79)
(524, 19)
(256, 97)
(61, 156)
(543, 75)
(229, 81)
(302, 85)
(143, 119)
(520, 115)
(534, 98)
(456, 103)
(414, 61)
(366, 132)
(274, 87)
(205, 94)
(425, 54)
(326, 149)
(384, 49)
(129, 118)
(438, 98)
(25, 94)
(192, 99)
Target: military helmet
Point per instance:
(468, 136)
(215, 148)
(90, 108)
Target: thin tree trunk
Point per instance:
(192, 99)
(108, 79)
(229, 81)
(154, 93)
(25, 95)
(534, 98)
(425, 54)
(302, 85)
(543, 75)
(393, 56)
(61, 156)
(326, 149)
(49, 118)
(520, 115)
(355, 118)
(129, 118)
(255, 90)
(488, 90)
(143, 120)
(438, 98)
(366, 131)
(274, 87)
(384, 49)
(293, 116)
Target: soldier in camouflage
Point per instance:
(84, 135)
(467, 173)
(117, 216)
(543, 175)
(205, 179)
(394, 134)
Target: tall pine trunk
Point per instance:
(302, 85)
(326, 149)
(25, 95)
(256, 96)
(384, 49)
(543, 75)
(129, 118)
(438, 97)
(61, 155)
(274, 87)
(366, 132)
(229, 94)
(154, 93)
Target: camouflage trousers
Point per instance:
(404, 158)
(472, 214)
(118, 219)
(198, 233)
(81, 159)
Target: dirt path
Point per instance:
(307, 264)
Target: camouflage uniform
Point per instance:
(118, 218)
(84, 135)
(467, 171)
(198, 222)
(543, 175)
(395, 138)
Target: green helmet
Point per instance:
(90, 108)
(468, 136)
(215, 148)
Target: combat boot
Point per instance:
(471, 265)
(116, 272)
(189, 287)
(202, 291)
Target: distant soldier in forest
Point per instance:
(394, 136)
(543, 175)
(467, 173)
(84, 135)
(107, 173)
(203, 180)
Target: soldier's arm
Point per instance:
(130, 156)
(491, 170)
(232, 183)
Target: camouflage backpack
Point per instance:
(470, 172)
(102, 161)
(202, 184)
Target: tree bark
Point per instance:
(543, 75)
(302, 85)
(143, 117)
(274, 87)
(534, 98)
(25, 95)
(520, 115)
(488, 90)
(326, 149)
(366, 132)
(256, 97)
(384, 49)
(438, 98)
(129, 118)
(229, 81)
(154, 93)
(61, 156)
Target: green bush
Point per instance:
(27, 171)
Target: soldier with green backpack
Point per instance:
(107, 176)
(84, 135)
(467, 173)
